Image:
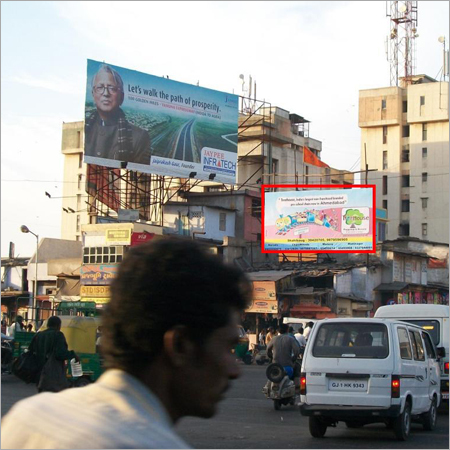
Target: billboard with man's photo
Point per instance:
(156, 125)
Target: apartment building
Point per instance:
(405, 137)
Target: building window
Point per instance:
(424, 229)
(405, 180)
(405, 106)
(79, 181)
(383, 103)
(385, 204)
(306, 175)
(223, 222)
(405, 131)
(78, 202)
(403, 229)
(424, 177)
(385, 131)
(102, 255)
(422, 100)
(424, 152)
(79, 139)
(424, 131)
(80, 160)
(385, 185)
(405, 205)
(385, 160)
(405, 155)
(381, 232)
(256, 208)
(424, 202)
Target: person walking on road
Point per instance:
(167, 356)
(300, 338)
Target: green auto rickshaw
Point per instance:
(241, 350)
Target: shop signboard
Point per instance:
(141, 238)
(264, 299)
(94, 291)
(97, 274)
(118, 236)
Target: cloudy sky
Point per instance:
(310, 58)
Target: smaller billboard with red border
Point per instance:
(318, 219)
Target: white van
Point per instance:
(297, 322)
(363, 371)
(434, 319)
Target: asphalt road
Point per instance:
(184, 147)
(246, 419)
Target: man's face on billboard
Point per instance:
(107, 94)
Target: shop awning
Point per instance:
(391, 287)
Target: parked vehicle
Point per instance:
(434, 319)
(363, 371)
(280, 387)
(297, 322)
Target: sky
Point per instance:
(310, 58)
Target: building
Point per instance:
(405, 137)
(74, 209)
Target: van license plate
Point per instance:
(347, 385)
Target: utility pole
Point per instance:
(373, 212)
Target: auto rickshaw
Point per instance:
(241, 350)
(81, 334)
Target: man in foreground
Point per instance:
(167, 339)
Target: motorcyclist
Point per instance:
(284, 349)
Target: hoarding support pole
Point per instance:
(373, 212)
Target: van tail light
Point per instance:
(446, 368)
(395, 386)
(303, 383)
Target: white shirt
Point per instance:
(117, 411)
(11, 331)
(301, 339)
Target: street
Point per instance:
(246, 419)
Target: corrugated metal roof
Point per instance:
(269, 275)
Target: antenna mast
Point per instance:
(401, 40)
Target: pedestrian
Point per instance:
(300, 338)
(167, 335)
(270, 335)
(16, 326)
(29, 328)
(48, 341)
(4, 326)
(291, 331)
(308, 329)
(262, 337)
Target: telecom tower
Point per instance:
(401, 40)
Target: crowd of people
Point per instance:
(17, 325)
(301, 335)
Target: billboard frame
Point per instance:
(305, 187)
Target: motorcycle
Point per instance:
(259, 354)
(280, 387)
(7, 353)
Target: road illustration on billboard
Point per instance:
(319, 220)
(155, 125)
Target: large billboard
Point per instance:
(156, 125)
(319, 219)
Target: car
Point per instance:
(434, 319)
(362, 371)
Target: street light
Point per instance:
(25, 229)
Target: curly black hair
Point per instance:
(163, 284)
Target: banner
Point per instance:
(155, 125)
(310, 158)
(141, 238)
(264, 299)
(327, 220)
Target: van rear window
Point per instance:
(432, 326)
(351, 340)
